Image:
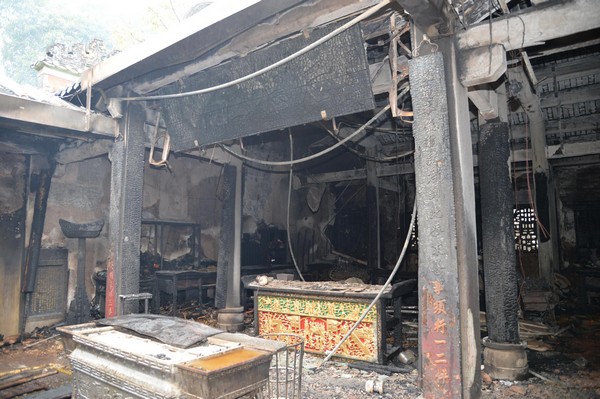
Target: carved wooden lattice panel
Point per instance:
(49, 300)
(526, 239)
(323, 323)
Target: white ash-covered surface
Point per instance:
(321, 287)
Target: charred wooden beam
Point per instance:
(432, 17)
(560, 126)
(361, 174)
(34, 117)
(37, 226)
(35, 238)
(572, 150)
(482, 65)
(534, 25)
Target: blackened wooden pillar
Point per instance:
(504, 355)
(125, 213)
(448, 283)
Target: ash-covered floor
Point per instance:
(563, 366)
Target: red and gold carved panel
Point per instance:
(323, 323)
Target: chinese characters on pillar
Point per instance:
(437, 354)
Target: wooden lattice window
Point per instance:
(414, 237)
(526, 239)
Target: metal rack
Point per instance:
(159, 227)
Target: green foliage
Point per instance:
(30, 27)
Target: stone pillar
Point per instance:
(448, 282)
(125, 213)
(231, 314)
(504, 355)
(374, 257)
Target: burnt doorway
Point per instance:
(13, 204)
(49, 299)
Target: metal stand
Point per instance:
(285, 376)
(146, 296)
(81, 232)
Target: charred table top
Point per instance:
(172, 281)
(325, 288)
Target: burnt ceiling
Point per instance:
(579, 185)
(27, 144)
(309, 88)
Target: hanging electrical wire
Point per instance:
(364, 156)
(266, 69)
(404, 131)
(289, 203)
(358, 191)
(367, 157)
(532, 202)
(313, 156)
(380, 293)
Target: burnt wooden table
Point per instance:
(174, 281)
(323, 312)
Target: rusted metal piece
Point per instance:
(166, 141)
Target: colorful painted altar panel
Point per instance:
(322, 323)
